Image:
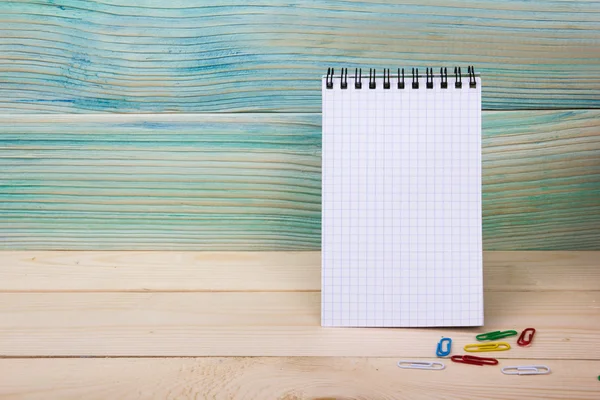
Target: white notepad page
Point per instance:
(401, 219)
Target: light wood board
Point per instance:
(186, 271)
(286, 379)
(271, 324)
(63, 313)
(253, 181)
(240, 313)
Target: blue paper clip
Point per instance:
(440, 347)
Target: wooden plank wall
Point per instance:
(176, 150)
(193, 56)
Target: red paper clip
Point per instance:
(474, 360)
(524, 340)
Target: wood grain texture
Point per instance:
(189, 56)
(272, 324)
(557, 292)
(286, 379)
(102, 271)
(252, 181)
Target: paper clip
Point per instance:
(498, 346)
(432, 365)
(474, 360)
(496, 335)
(440, 347)
(524, 339)
(526, 370)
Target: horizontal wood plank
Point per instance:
(252, 181)
(189, 56)
(272, 324)
(287, 379)
(107, 271)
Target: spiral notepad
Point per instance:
(401, 219)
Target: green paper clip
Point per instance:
(495, 335)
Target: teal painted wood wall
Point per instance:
(187, 125)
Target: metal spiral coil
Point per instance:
(429, 76)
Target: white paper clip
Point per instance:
(526, 370)
(433, 365)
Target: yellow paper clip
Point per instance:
(481, 347)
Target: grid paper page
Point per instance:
(401, 222)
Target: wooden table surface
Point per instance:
(183, 325)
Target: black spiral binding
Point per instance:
(472, 81)
(429, 84)
(458, 77)
(400, 82)
(444, 78)
(415, 81)
(358, 79)
(372, 84)
(386, 78)
(329, 79)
